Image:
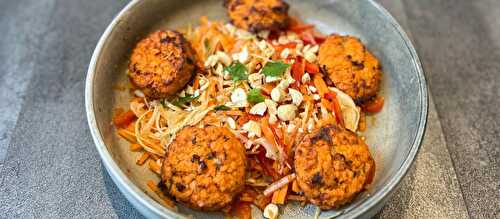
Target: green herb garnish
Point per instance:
(255, 96)
(163, 103)
(237, 71)
(181, 101)
(275, 69)
(206, 43)
(221, 108)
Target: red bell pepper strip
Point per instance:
(319, 39)
(332, 96)
(301, 28)
(298, 70)
(374, 106)
(312, 68)
(123, 119)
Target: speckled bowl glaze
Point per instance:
(394, 137)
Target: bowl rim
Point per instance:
(132, 191)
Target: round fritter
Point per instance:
(351, 67)
(204, 167)
(257, 15)
(162, 64)
(333, 165)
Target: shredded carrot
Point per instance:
(154, 166)
(142, 159)
(152, 185)
(309, 108)
(135, 147)
(289, 144)
(362, 122)
(153, 144)
(196, 83)
(213, 87)
(267, 164)
(278, 136)
(267, 88)
(320, 84)
(127, 135)
(279, 196)
(261, 201)
(279, 48)
(154, 156)
(295, 187)
(233, 113)
(327, 104)
(267, 131)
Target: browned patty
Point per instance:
(351, 67)
(204, 168)
(257, 15)
(333, 165)
(162, 64)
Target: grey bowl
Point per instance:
(394, 138)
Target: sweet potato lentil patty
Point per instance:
(162, 64)
(204, 167)
(257, 15)
(333, 165)
(351, 67)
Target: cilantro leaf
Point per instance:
(255, 96)
(237, 71)
(180, 101)
(163, 103)
(275, 69)
(221, 108)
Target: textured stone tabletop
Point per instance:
(49, 167)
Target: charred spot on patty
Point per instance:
(316, 179)
(211, 155)
(180, 187)
(323, 134)
(195, 158)
(203, 165)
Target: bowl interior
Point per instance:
(391, 134)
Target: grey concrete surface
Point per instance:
(459, 43)
(50, 169)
